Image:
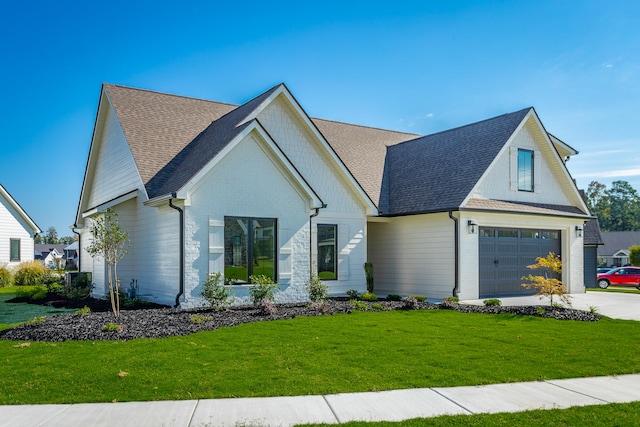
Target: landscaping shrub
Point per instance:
(35, 321)
(368, 272)
(262, 287)
(112, 327)
(79, 287)
(84, 311)
(29, 273)
(317, 289)
(198, 319)
(32, 292)
(352, 293)
(492, 302)
(394, 297)
(377, 306)
(215, 293)
(368, 296)
(420, 298)
(359, 305)
(452, 299)
(6, 277)
(634, 255)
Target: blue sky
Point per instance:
(420, 67)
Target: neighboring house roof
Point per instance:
(615, 241)
(26, 219)
(43, 249)
(437, 172)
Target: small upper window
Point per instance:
(525, 170)
(14, 250)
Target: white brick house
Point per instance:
(17, 231)
(261, 188)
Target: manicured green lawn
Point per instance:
(619, 289)
(329, 354)
(613, 415)
(14, 313)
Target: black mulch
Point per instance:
(166, 322)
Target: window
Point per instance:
(525, 170)
(327, 250)
(249, 248)
(508, 232)
(529, 234)
(14, 250)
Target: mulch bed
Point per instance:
(164, 322)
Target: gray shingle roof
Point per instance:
(617, 240)
(592, 235)
(437, 172)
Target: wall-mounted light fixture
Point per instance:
(578, 231)
(472, 227)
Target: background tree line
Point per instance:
(617, 208)
(50, 237)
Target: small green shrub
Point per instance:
(262, 288)
(317, 289)
(79, 287)
(452, 299)
(368, 296)
(198, 319)
(394, 297)
(215, 293)
(29, 273)
(492, 302)
(6, 277)
(112, 327)
(377, 306)
(84, 311)
(540, 310)
(420, 298)
(35, 321)
(358, 305)
(32, 292)
(352, 293)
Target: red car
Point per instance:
(621, 276)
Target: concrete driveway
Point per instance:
(611, 304)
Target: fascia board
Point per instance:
(109, 204)
(23, 214)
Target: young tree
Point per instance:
(634, 255)
(548, 284)
(109, 243)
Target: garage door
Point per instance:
(505, 254)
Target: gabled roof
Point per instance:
(437, 172)
(617, 240)
(180, 169)
(18, 209)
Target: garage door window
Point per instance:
(550, 235)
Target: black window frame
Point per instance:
(522, 171)
(250, 247)
(335, 251)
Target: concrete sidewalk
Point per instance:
(395, 405)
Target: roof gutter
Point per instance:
(456, 250)
(181, 211)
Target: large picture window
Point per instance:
(14, 250)
(249, 248)
(525, 170)
(327, 250)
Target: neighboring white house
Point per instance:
(262, 188)
(615, 249)
(17, 231)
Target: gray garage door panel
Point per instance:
(505, 254)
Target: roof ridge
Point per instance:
(470, 124)
(170, 94)
(365, 126)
